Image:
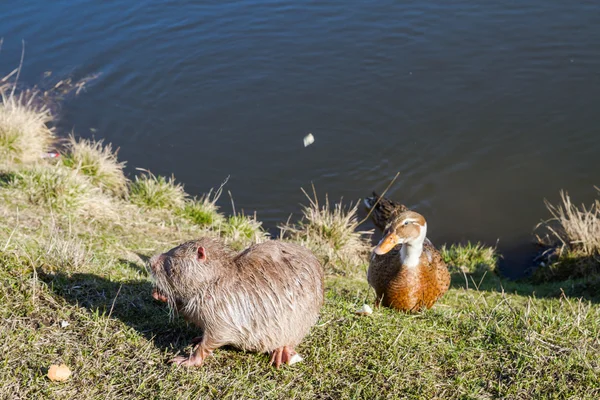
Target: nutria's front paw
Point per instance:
(284, 355)
(192, 361)
(159, 296)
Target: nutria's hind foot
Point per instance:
(284, 355)
(196, 359)
(191, 361)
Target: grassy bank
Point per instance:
(75, 234)
(570, 240)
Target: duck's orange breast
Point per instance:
(415, 288)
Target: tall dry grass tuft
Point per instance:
(573, 233)
(157, 192)
(575, 229)
(331, 233)
(24, 132)
(98, 162)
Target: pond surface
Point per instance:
(485, 108)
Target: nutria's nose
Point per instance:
(156, 262)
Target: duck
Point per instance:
(406, 271)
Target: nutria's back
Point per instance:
(263, 298)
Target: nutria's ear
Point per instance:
(201, 253)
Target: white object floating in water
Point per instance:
(365, 310)
(296, 358)
(308, 139)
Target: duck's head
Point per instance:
(408, 227)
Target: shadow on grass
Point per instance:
(135, 266)
(586, 288)
(129, 301)
(6, 178)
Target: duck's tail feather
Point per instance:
(370, 201)
(382, 209)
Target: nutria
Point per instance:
(264, 299)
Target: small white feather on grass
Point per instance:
(364, 310)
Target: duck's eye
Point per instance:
(405, 223)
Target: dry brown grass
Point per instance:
(331, 233)
(573, 238)
(577, 229)
(24, 132)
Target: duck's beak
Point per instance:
(387, 244)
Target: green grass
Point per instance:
(54, 187)
(157, 192)
(74, 289)
(203, 210)
(242, 230)
(202, 213)
(98, 162)
(474, 344)
(472, 258)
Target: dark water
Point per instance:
(486, 108)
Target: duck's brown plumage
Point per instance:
(406, 288)
(383, 209)
(409, 289)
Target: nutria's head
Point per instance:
(407, 227)
(183, 272)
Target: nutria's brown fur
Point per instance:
(264, 299)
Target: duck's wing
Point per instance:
(383, 268)
(437, 263)
(383, 210)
